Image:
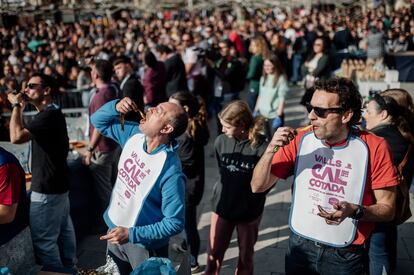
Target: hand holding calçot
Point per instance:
(282, 137)
(126, 105)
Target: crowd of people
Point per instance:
(303, 40)
(150, 84)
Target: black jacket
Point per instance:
(133, 89)
(191, 154)
(230, 73)
(398, 146)
(176, 76)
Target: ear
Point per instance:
(347, 116)
(47, 91)
(167, 129)
(383, 114)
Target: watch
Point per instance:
(15, 105)
(359, 213)
(90, 149)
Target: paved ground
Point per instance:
(273, 233)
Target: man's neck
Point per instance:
(100, 84)
(42, 105)
(154, 142)
(339, 138)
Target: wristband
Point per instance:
(14, 105)
(359, 213)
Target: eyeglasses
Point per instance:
(323, 112)
(317, 44)
(33, 86)
(185, 40)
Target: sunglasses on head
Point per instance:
(323, 112)
(379, 100)
(33, 85)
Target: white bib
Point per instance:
(138, 171)
(325, 176)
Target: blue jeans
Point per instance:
(382, 251)
(223, 101)
(52, 232)
(252, 98)
(296, 64)
(308, 257)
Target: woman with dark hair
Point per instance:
(279, 48)
(155, 80)
(405, 102)
(315, 67)
(238, 150)
(385, 117)
(272, 92)
(406, 128)
(191, 153)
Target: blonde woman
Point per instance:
(238, 150)
(259, 50)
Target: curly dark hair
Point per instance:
(349, 96)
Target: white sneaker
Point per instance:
(195, 268)
(110, 267)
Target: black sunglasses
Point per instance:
(323, 112)
(33, 86)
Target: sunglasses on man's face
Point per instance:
(323, 112)
(33, 86)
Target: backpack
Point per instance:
(155, 266)
(402, 201)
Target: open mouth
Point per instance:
(136, 110)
